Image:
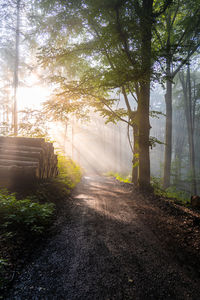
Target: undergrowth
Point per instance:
(120, 177)
(23, 215)
(172, 192)
(179, 197)
(21, 221)
(26, 215)
(69, 172)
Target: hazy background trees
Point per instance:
(102, 59)
(18, 61)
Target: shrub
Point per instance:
(120, 177)
(69, 172)
(178, 196)
(3, 264)
(23, 215)
(26, 217)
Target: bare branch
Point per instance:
(126, 99)
(184, 61)
(175, 14)
(185, 32)
(114, 113)
(129, 139)
(158, 36)
(123, 39)
(132, 94)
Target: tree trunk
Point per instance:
(16, 69)
(120, 151)
(191, 135)
(168, 130)
(168, 102)
(187, 93)
(179, 144)
(143, 101)
(143, 139)
(135, 155)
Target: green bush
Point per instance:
(23, 215)
(178, 196)
(156, 184)
(120, 177)
(3, 264)
(69, 172)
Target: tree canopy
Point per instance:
(100, 50)
(97, 52)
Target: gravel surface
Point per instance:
(114, 243)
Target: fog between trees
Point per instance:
(90, 55)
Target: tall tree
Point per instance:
(178, 35)
(16, 68)
(15, 50)
(189, 108)
(112, 52)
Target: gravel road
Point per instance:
(112, 243)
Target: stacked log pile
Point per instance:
(26, 160)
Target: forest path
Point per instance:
(111, 244)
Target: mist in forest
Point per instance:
(105, 79)
(97, 147)
(100, 148)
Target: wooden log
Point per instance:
(21, 153)
(28, 153)
(11, 176)
(23, 141)
(25, 151)
(19, 158)
(7, 162)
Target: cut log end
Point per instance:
(26, 160)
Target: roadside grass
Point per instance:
(177, 196)
(27, 215)
(69, 172)
(121, 177)
(172, 193)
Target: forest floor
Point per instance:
(111, 242)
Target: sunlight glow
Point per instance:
(33, 96)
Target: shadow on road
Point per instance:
(106, 249)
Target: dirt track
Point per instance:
(115, 244)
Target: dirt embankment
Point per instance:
(114, 243)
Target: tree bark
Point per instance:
(179, 144)
(143, 101)
(143, 139)
(168, 129)
(135, 155)
(187, 94)
(170, 74)
(135, 149)
(168, 102)
(191, 135)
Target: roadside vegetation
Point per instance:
(69, 172)
(179, 197)
(121, 177)
(26, 216)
